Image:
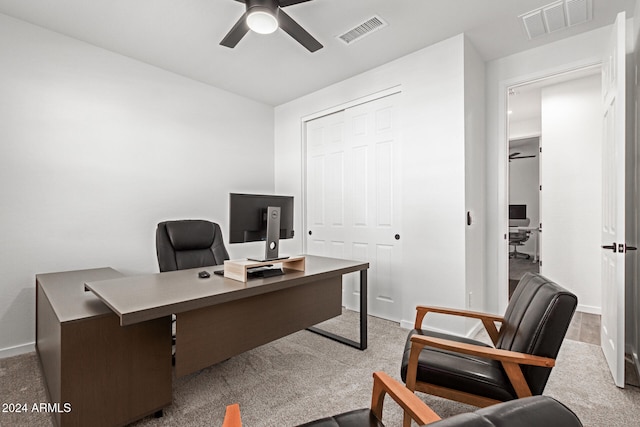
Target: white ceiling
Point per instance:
(183, 36)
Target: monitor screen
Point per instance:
(248, 216)
(517, 211)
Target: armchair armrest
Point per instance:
(416, 408)
(511, 360)
(488, 352)
(232, 416)
(488, 320)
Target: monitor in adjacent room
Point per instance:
(249, 220)
(517, 211)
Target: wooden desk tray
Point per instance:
(237, 269)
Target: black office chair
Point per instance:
(517, 365)
(189, 244)
(518, 237)
(185, 244)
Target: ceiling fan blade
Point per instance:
(512, 155)
(236, 33)
(292, 28)
(285, 3)
(524, 157)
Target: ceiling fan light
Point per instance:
(262, 21)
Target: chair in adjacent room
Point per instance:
(189, 243)
(518, 237)
(517, 365)
(530, 412)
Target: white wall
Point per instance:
(524, 128)
(571, 197)
(568, 54)
(432, 118)
(474, 127)
(95, 149)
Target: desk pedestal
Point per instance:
(109, 374)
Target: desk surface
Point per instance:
(141, 298)
(66, 294)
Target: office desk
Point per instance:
(217, 317)
(108, 352)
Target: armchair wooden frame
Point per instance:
(510, 360)
(382, 384)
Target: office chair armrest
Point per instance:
(511, 360)
(488, 320)
(416, 408)
(232, 416)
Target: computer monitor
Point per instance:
(517, 211)
(257, 217)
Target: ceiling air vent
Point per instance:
(556, 16)
(363, 29)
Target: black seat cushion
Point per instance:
(189, 244)
(357, 418)
(535, 322)
(527, 412)
(463, 372)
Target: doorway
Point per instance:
(555, 128)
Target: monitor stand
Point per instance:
(272, 242)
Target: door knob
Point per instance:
(613, 247)
(397, 237)
(310, 232)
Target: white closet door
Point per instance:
(353, 198)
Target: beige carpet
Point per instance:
(305, 376)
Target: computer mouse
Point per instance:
(203, 275)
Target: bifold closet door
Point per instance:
(352, 198)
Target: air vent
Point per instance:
(363, 29)
(556, 16)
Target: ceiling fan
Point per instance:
(264, 17)
(515, 155)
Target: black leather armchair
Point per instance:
(529, 412)
(189, 244)
(519, 363)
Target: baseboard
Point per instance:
(405, 324)
(17, 350)
(589, 309)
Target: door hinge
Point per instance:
(540, 227)
(541, 149)
(541, 188)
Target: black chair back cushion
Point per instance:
(535, 322)
(527, 412)
(189, 244)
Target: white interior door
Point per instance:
(352, 198)
(613, 202)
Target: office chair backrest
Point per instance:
(535, 322)
(189, 244)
